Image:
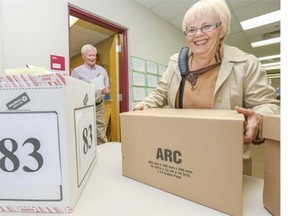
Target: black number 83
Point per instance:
(10, 155)
(87, 135)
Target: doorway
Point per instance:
(112, 39)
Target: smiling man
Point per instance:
(89, 71)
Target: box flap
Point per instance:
(189, 113)
(271, 127)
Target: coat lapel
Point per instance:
(232, 55)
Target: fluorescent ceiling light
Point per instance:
(269, 57)
(273, 76)
(266, 42)
(272, 68)
(271, 64)
(72, 20)
(261, 20)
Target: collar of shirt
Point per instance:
(92, 68)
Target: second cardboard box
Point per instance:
(195, 154)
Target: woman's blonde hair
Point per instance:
(217, 8)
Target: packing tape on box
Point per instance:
(31, 81)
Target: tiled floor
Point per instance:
(258, 160)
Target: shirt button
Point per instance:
(219, 99)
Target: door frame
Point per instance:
(123, 55)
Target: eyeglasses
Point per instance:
(204, 29)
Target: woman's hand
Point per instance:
(253, 123)
(139, 107)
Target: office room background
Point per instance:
(32, 31)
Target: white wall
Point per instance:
(33, 30)
(1, 48)
(150, 37)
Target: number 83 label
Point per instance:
(29, 149)
(85, 130)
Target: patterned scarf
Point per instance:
(192, 76)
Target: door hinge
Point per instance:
(118, 48)
(119, 96)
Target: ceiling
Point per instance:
(83, 32)
(173, 12)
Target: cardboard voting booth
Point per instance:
(271, 193)
(195, 154)
(47, 142)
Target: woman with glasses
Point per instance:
(218, 76)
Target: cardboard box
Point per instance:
(271, 193)
(195, 154)
(47, 142)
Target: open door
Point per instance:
(114, 90)
(118, 60)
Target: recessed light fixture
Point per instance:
(266, 42)
(261, 20)
(72, 20)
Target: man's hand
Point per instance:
(105, 91)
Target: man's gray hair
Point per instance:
(87, 47)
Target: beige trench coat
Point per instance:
(241, 82)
